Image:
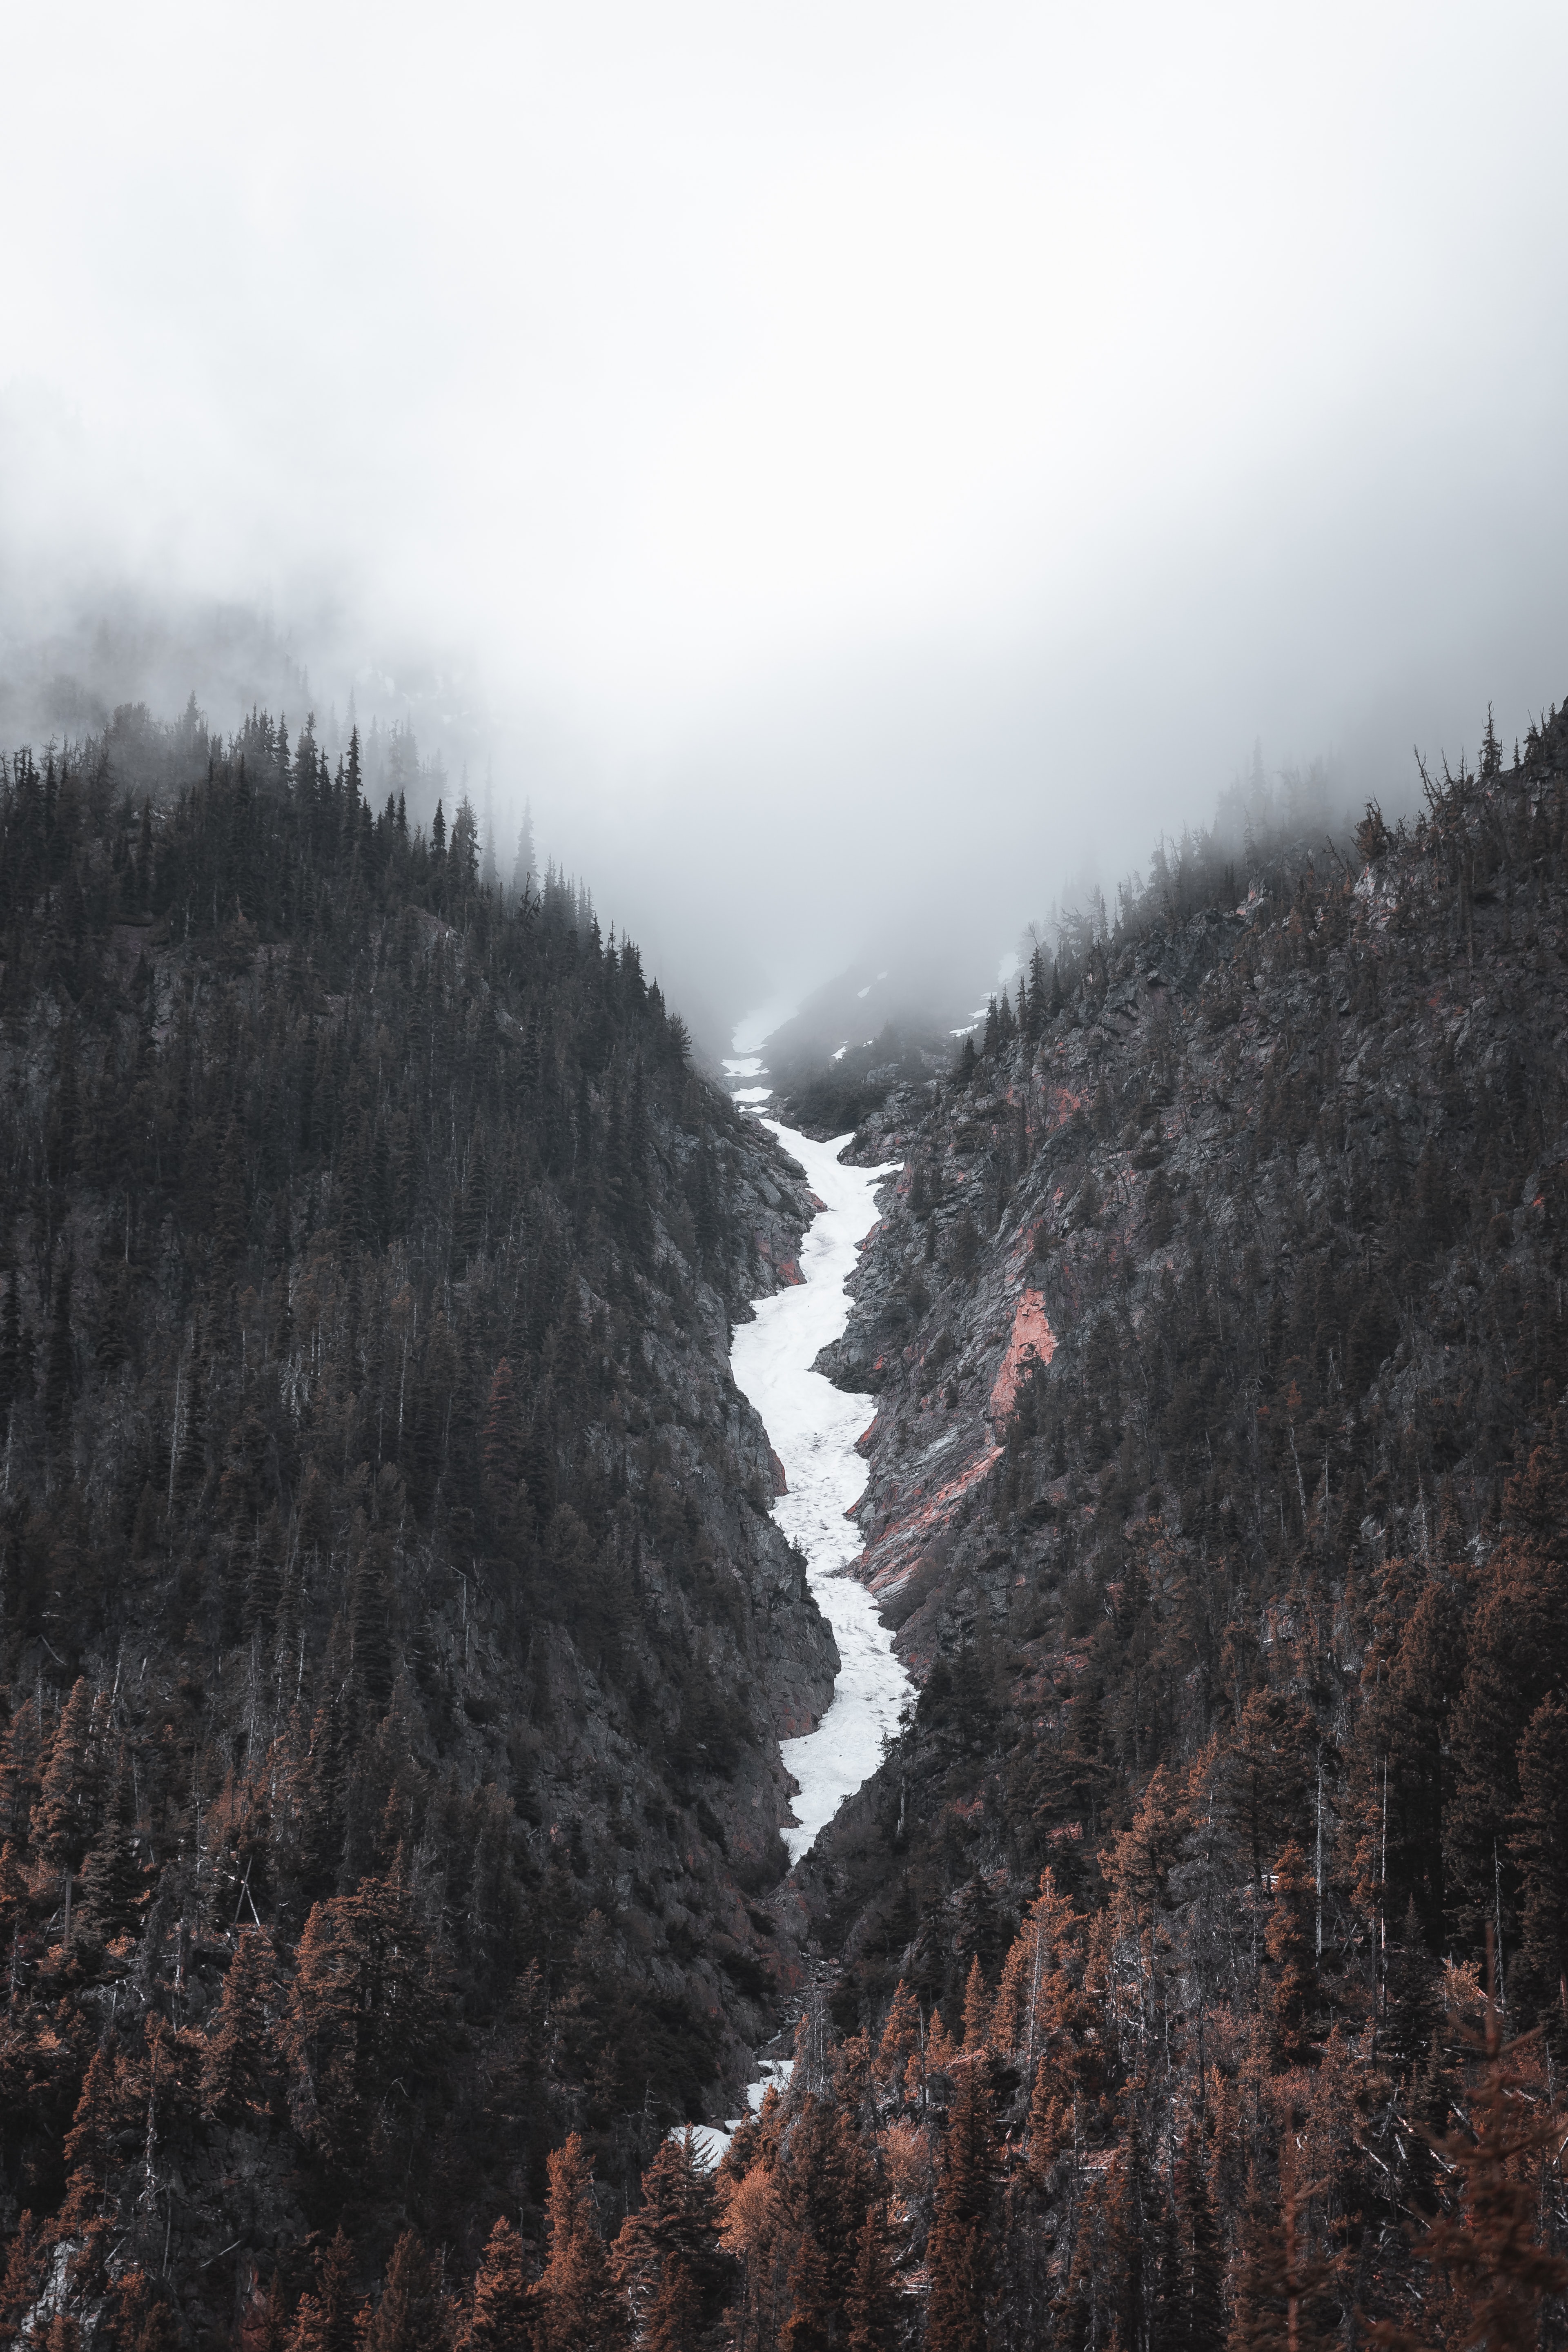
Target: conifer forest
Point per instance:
(396, 1638)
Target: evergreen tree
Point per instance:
(68, 1812)
(871, 2306)
(499, 2321)
(114, 1879)
(238, 2073)
(1289, 1940)
(25, 2257)
(1539, 1845)
(1489, 2275)
(808, 2325)
(677, 2222)
(901, 2036)
(576, 2303)
(412, 2314)
(1197, 2319)
(675, 2316)
(976, 2010)
(329, 2313)
(958, 2254)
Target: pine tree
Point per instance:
(26, 2258)
(229, 1216)
(67, 1814)
(1539, 1846)
(901, 2037)
(499, 2321)
(976, 2010)
(1292, 1985)
(959, 2252)
(114, 1879)
(140, 2316)
(412, 2315)
(238, 2071)
(92, 2146)
(364, 2011)
(871, 2305)
(1197, 2312)
(503, 1439)
(59, 1360)
(577, 2306)
(808, 2327)
(269, 2325)
(677, 2221)
(328, 2319)
(675, 2316)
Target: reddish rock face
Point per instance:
(776, 1468)
(789, 1271)
(1032, 1341)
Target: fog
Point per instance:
(859, 473)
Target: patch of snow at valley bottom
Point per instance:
(812, 1427)
(709, 2141)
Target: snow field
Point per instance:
(709, 2141)
(812, 1427)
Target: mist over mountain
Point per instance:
(824, 473)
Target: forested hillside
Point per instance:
(1219, 1486)
(394, 1639)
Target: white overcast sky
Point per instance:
(872, 457)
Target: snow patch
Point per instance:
(775, 2075)
(710, 2142)
(813, 1427)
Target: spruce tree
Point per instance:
(808, 2325)
(976, 2010)
(1197, 2312)
(328, 2316)
(677, 2221)
(675, 2316)
(958, 2254)
(577, 2306)
(412, 2315)
(498, 2320)
(871, 2305)
(901, 2037)
(238, 2070)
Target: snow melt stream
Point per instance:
(812, 1427)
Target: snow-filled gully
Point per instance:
(812, 1427)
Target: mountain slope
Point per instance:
(384, 1552)
(1218, 1486)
